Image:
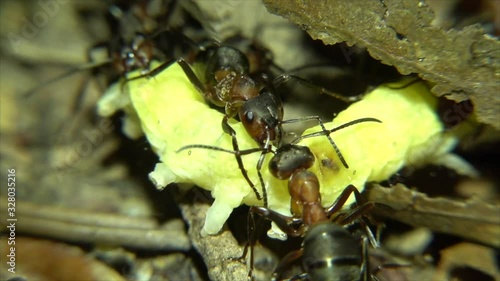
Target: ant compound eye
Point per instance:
(249, 116)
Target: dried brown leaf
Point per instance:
(460, 62)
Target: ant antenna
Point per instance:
(216, 148)
(283, 78)
(322, 124)
(328, 132)
(238, 153)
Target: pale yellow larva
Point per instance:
(172, 114)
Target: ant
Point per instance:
(129, 51)
(136, 55)
(227, 82)
(291, 162)
(329, 251)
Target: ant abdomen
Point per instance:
(225, 58)
(332, 253)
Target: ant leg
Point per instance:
(285, 223)
(374, 241)
(283, 78)
(337, 150)
(365, 265)
(267, 149)
(285, 263)
(358, 213)
(301, 277)
(355, 214)
(342, 198)
(253, 234)
(193, 78)
(151, 74)
(76, 105)
(91, 62)
(230, 131)
(261, 180)
(251, 240)
(70, 72)
(185, 67)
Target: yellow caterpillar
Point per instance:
(172, 114)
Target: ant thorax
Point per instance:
(172, 114)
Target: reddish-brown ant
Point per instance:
(340, 255)
(226, 81)
(329, 250)
(291, 162)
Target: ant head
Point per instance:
(261, 116)
(289, 158)
(136, 54)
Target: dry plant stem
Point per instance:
(100, 228)
(218, 251)
(463, 63)
(472, 219)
